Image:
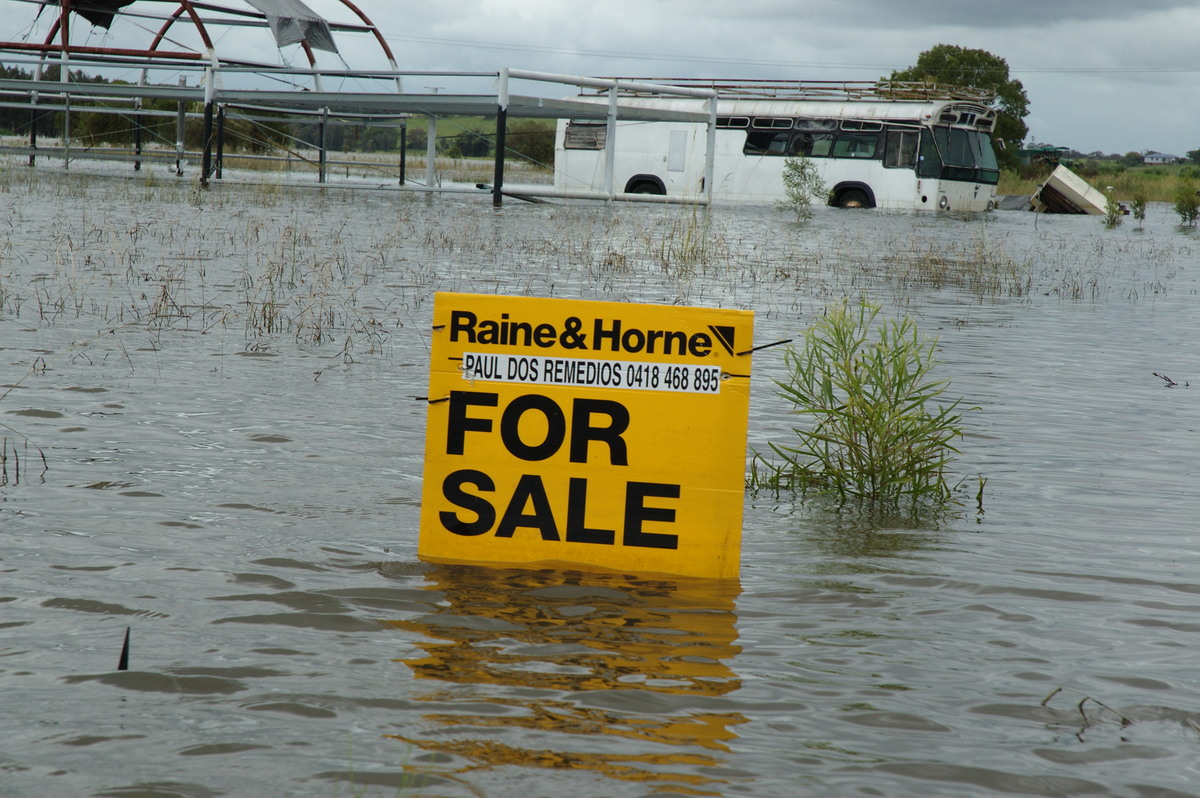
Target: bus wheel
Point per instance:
(853, 199)
(645, 187)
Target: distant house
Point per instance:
(1161, 157)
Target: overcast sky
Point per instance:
(1105, 75)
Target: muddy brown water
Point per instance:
(223, 388)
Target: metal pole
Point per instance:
(321, 157)
(710, 149)
(66, 131)
(33, 123)
(431, 145)
(137, 125)
(33, 115)
(220, 166)
(501, 136)
(610, 141)
(403, 149)
(180, 123)
(64, 77)
(498, 177)
(430, 151)
(137, 134)
(607, 83)
(206, 158)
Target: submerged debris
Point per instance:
(1168, 382)
(1066, 192)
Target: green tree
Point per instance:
(466, 144)
(417, 137)
(951, 65)
(531, 140)
(1193, 156)
(1133, 158)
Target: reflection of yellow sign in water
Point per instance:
(623, 677)
(595, 433)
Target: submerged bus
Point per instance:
(894, 146)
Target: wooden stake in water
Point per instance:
(123, 664)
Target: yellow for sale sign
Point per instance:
(587, 434)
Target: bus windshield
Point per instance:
(964, 154)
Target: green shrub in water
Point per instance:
(1187, 205)
(801, 183)
(1137, 207)
(1112, 209)
(873, 431)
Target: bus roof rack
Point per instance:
(823, 89)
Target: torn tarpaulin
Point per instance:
(293, 22)
(98, 12)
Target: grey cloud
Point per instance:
(971, 13)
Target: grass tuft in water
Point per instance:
(1187, 205)
(874, 433)
(981, 266)
(687, 243)
(1137, 207)
(1113, 210)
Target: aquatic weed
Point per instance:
(874, 434)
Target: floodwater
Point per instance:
(212, 438)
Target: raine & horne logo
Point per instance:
(603, 335)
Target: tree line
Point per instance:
(120, 127)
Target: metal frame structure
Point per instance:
(379, 100)
(104, 12)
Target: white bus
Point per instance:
(895, 146)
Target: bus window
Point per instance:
(981, 146)
(953, 144)
(987, 170)
(816, 124)
(929, 163)
(809, 144)
(900, 149)
(765, 143)
(856, 145)
(585, 136)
